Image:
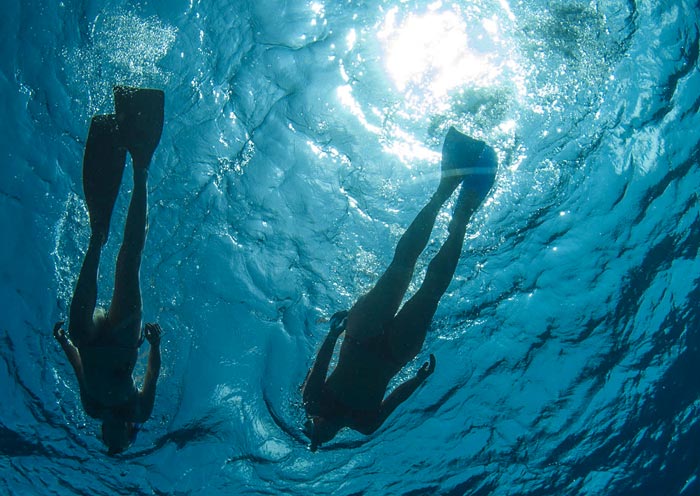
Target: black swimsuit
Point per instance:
(93, 407)
(377, 346)
(335, 408)
(125, 411)
(377, 349)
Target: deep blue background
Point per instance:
(292, 159)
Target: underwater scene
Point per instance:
(300, 140)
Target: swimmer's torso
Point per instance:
(107, 374)
(361, 377)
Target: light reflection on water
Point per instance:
(432, 61)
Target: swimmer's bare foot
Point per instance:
(140, 119)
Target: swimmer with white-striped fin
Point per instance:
(381, 338)
(102, 346)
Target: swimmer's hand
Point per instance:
(426, 369)
(58, 333)
(69, 349)
(338, 322)
(153, 332)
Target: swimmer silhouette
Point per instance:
(103, 345)
(378, 341)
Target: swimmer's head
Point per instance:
(118, 435)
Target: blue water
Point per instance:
(301, 139)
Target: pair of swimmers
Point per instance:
(381, 336)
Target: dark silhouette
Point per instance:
(378, 341)
(103, 345)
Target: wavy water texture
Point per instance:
(298, 146)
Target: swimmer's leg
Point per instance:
(380, 304)
(460, 154)
(125, 310)
(407, 331)
(82, 308)
(376, 308)
(103, 166)
(140, 116)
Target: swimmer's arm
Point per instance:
(147, 395)
(401, 394)
(316, 378)
(70, 350)
(74, 358)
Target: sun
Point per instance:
(429, 55)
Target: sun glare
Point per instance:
(428, 55)
(423, 64)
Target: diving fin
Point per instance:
(472, 159)
(140, 114)
(459, 152)
(103, 167)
